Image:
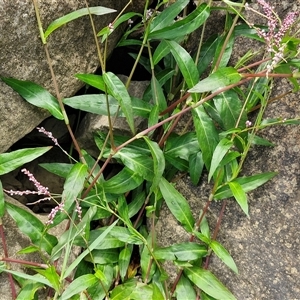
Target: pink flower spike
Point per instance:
(48, 134)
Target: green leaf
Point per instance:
(207, 53)
(60, 169)
(34, 278)
(160, 52)
(95, 104)
(220, 151)
(158, 162)
(32, 227)
(184, 289)
(51, 274)
(126, 235)
(157, 293)
(167, 16)
(240, 195)
(119, 91)
(35, 95)
(207, 134)
(28, 290)
(103, 257)
(12, 160)
(247, 184)
(29, 249)
(223, 254)
(182, 146)
(182, 252)
(91, 247)
(227, 51)
(92, 80)
(73, 186)
(217, 80)
(78, 285)
(136, 203)
(229, 107)
(257, 140)
(124, 260)
(145, 292)
(177, 204)
(2, 202)
(207, 282)
(124, 181)
(158, 96)
(182, 27)
(123, 210)
(69, 235)
(185, 63)
(106, 31)
(123, 291)
(98, 10)
(147, 266)
(138, 163)
(196, 165)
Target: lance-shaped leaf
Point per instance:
(35, 278)
(185, 289)
(177, 204)
(220, 151)
(160, 52)
(98, 10)
(119, 92)
(229, 107)
(91, 247)
(12, 160)
(51, 274)
(31, 226)
(182, 252)
(183, 27)
(96, 104)
(247, 183)
(182, 145)
(207, 53)
(196, 165)
(124, 181)
(137, 162)
(124, 260)
(207, 134)
(73, 186)
(217, 80)
(207, 282)
(240, 195)
(224, 255)
(185, 63)
(167, 16)
(158, 162)
(78, 285)
(158, 96)
(92, 80)
(35, 95)
(60, 169)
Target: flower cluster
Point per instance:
(41, 190)
(111, 27)
(48, 134)
(275, 33)
(53, 213)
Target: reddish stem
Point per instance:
(24, 262)
(216, 231)
(10, 278)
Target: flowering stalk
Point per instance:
(276, 31)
